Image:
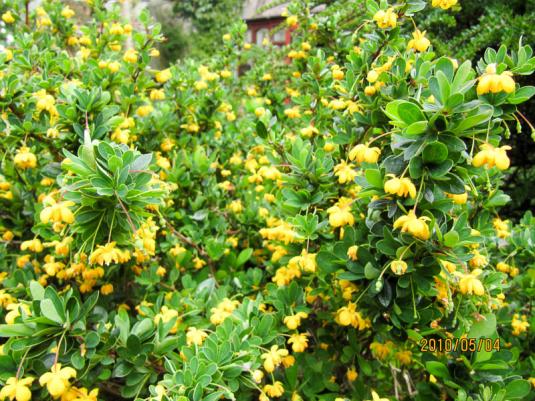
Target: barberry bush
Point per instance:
(323, 225)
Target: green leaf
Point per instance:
(374, 177)
(486, 327)
(48, 310)
(37, 291)
(419, 127)
(517, 389)
(15, 330)
(437, 369)
(451, 239)
(244, 256)
(115, 163)
(327, 262)
(261, 130)
(435, 152)
(410, 113)
(371, 272)
(484, 113)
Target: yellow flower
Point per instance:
(157, 94)
(344, 172)
(337, 74)
(116, 29)
(458, 199)
(195, 336)
(352, 374)
(114, 66)
(299, 342)
(57, 380)
(8, 236)
(25, 159)
(470, 284)
(376, 397)
(386, 19)
(106, 254)
(477, 260)
(419, 42)
(57, 212)
(363, 153)
(294, 321)
(17, 389)
(292, 21)
(144, 110)
(293, 112)
(400, 187)
(340, 214)
(45, 101)
(519, 324)
(163, 76)
(33, 245)
(399, 267)
(404, 357)
(416, 226)
(67, 12)
(372, 76)
(491, 156)
(273, 358)
(349, 316)
(15, 311)
(130, 56)
(106, 289)
(444, 4)
(257, 375)
(491, 82)
(352, 252)
(8, 18)
(274, 390)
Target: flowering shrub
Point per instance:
(324, 226)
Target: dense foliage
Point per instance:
(325, 226)
(468, 29)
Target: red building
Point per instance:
(261, 23)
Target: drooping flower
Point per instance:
(491, 156)
(419, 42)
(195, 336)
(106, 254)
(273, 358)
(17, 389)
(352, 252)
(470, 284)
(299, 342)
(348, 315)
(24, 158)
(57, 380)
(415, 226)
(491, 82)
(400, 186)
(386, 18)
(340, 214)
(363, 153)
(344, 172)
(57, 212)
(293, 321)
(398, 267)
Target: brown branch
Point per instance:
(202, 252)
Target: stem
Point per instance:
(21, 362)
(58, 347)
(130, 222)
